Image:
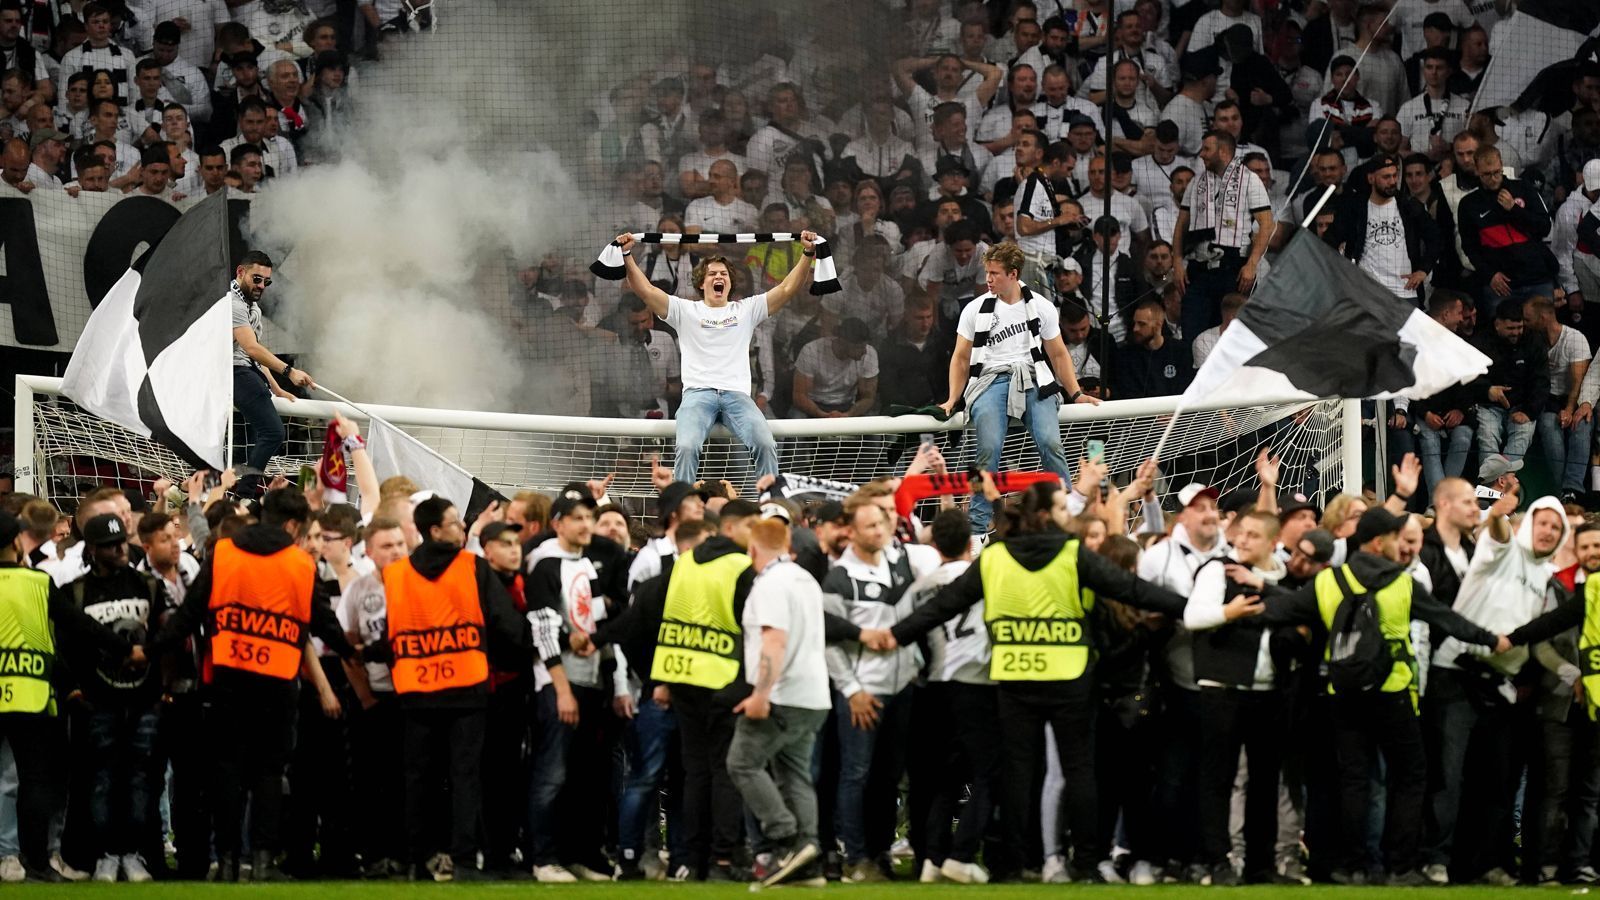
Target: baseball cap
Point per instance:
(1495, 465)
(950, 164)
(1321, 544)
(494, 531)
(1290, 504)
(1071, 264)
(1591, 175)
(104, 529)
(1439, 22)
(571, 497)
(45, 134)
(779, 508)
(1376, 522)
(1075, 120)
(1193, 491)
(10, 527)
(1236, 500)
(673, 495)
(1200, 63)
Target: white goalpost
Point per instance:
(60, 448)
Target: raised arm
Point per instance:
(991, 79)
(653, 297)
(799, 277)
(361, 461)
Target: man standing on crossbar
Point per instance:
(714, 342)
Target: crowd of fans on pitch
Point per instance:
(590, 762)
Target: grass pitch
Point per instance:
(350, 890)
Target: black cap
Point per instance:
(154, 156)
(1289, 504)
(494, 530)
(240, 58)
(1236, 500)
(10, 527)
(571, 497)
(104, 529)
(673, 495)
(1076, 119)
(1383, 161)
(1342, 59)
(168, 33)
(738, 509)
(1376, 522)
(1199, 64)
(950, 164)
(1320, 540)
(1438, 22)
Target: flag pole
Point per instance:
(1172, 423)
(410, 437)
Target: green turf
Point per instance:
(901, 891)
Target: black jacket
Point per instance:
(1349, 230)
(128, 602)
(1126, 285)
(1299, 607)
(193, 617)
(911, 377)
(1507, 241)
(1034, 552)
(1138, 371)
(1522, 368)
(611, 561)
(1446, 583)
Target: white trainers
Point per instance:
(584, 873)
(1108, 872)
(106, 869)
(133, 869)
(1436, 873)
(555, 874)
(11, 870)
(964, 872)
(1143, 874)
(1055, 871)
(930, 873)
(442, 867)
(65, 871)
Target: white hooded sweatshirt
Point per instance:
(1504, 589)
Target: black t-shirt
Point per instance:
(131, 604)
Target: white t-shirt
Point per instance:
(834, 380)
(700, 161)
(1420, 115)
(1034, 199)
(1191, 117)
(880, 307)
(1009, 341)
(1408, 16)
(366, 610)
(922, 105)
(1216, 22)
(1569, 348)
(714, 342)
(787, 598)
(715, 218)
(1384, 256)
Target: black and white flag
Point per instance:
(1318, 326)
(395, 452)
(156, 354)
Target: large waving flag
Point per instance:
(156, 354)
(1318, 326)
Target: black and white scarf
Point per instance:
(1044, 378)
(1219, 214)
(824, 278)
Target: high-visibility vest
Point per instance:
(1589, 646)
(1393, 603)
(260, 608)
(27, 642)
(1035, 619)
(698, 641)
(435, 627)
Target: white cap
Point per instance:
(1070, 264)
(1192, 491)
(1591, 175)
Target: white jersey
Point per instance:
(366, 610)
(958, 650)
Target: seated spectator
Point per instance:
(869, 293)
(953, 269)
(49, 152)
(838, 376)
(723, 211)
(1514, 391)
(881, 152)
(1150, 364)
(1563, 436)
(155, 172)
(770, 263)
(694, 167)
(644, 381)
(1206, 341)
(284, 101)
(866, 219)
(914, 360)
(1444, 422)
(1086, 344)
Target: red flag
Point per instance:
(335, 476)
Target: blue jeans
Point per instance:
(1454, 455)
(700, 410)
(253, 399)
(1495, 426)
(125, 780)
(989, 423)
(549, 773)
(1565, 449)
(646, 741)
(870, 765)
(1489, 301)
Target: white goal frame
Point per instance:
(1344, 470)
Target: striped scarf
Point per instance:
(825, 279)
(1219, 215)
(1043, 377)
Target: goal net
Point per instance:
(62, 448)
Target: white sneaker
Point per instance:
(1143, 874)
(133, 869)
(11, 870)
(556, 874)
(964, 872)
(106, 869)
(584, 873)
(1055, 871)
(930, 873)
(1436, 873)
(65, 871)
(442, 867)
(1109, 874)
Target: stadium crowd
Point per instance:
(777, 688)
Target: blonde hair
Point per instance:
(1338, 511)
(1007, 254)
(396, 486)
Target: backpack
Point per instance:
(1359, 659)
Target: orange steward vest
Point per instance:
(435, 627)
(260, 608)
